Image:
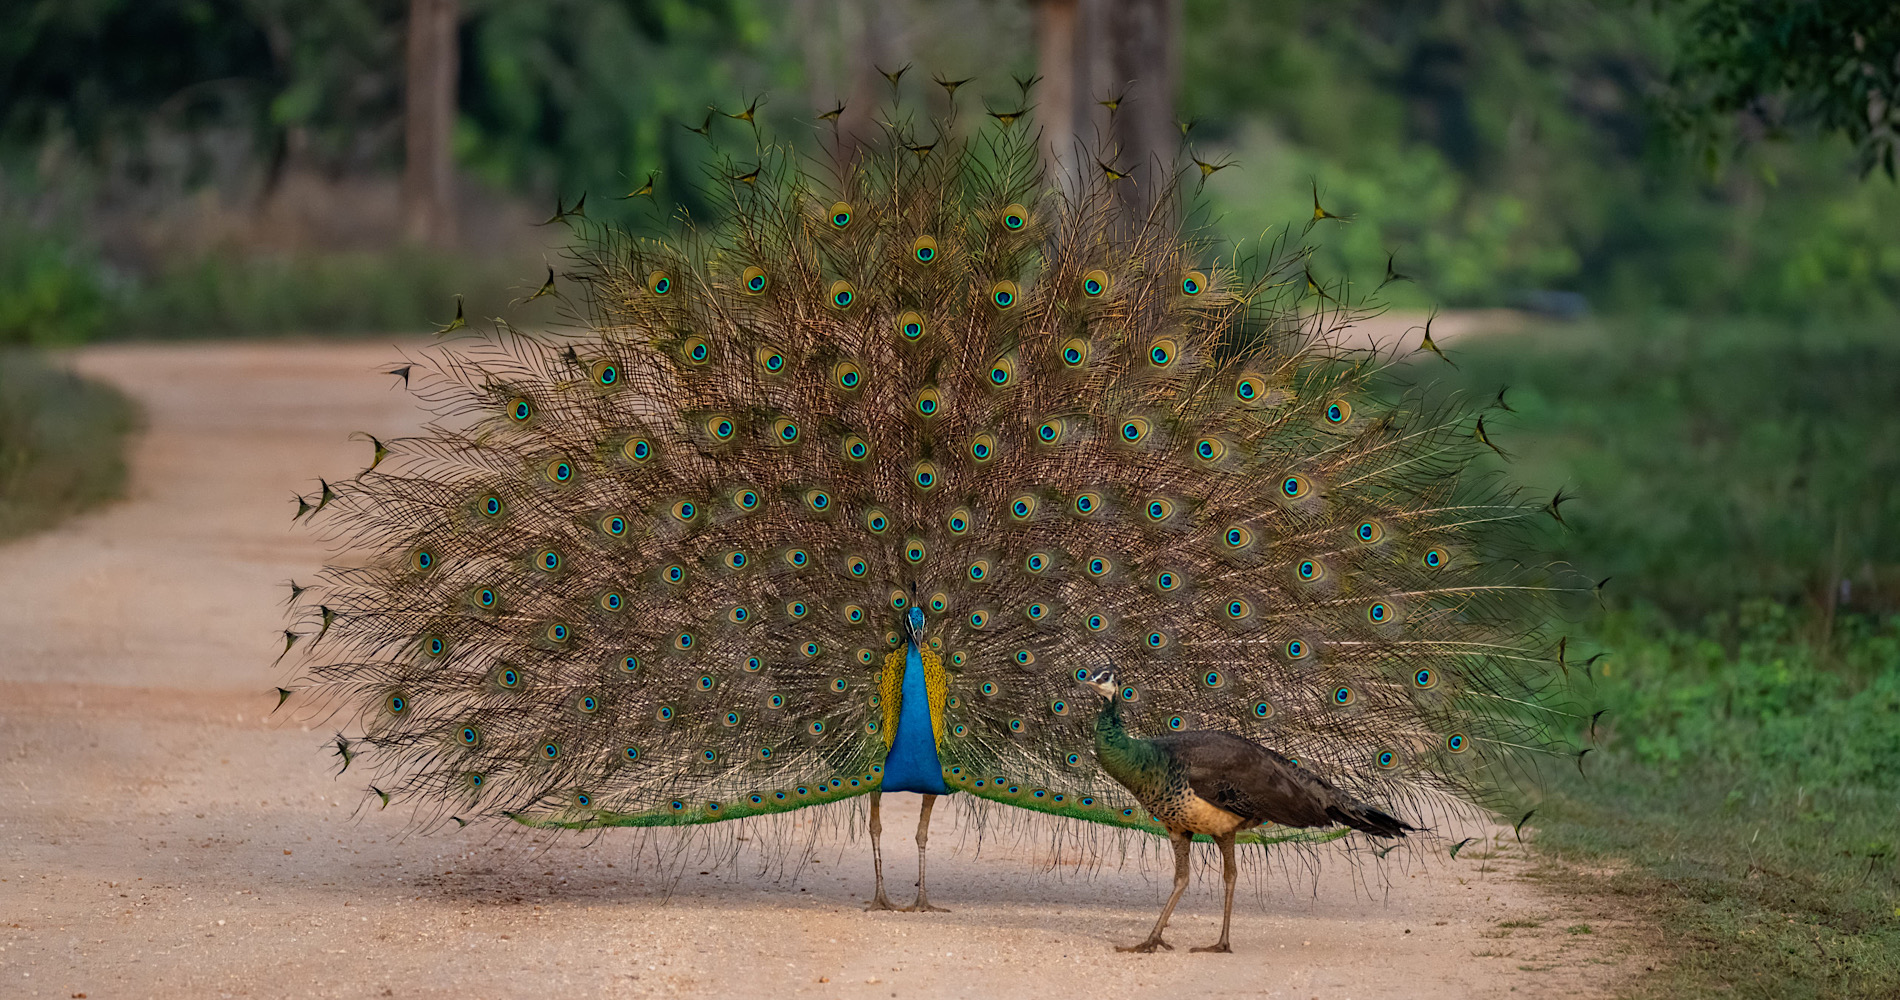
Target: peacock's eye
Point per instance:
(929, 402)
(983, 447)
(1075, 352)
(637, 449)
(845, 375)
(785, 431)
(1193, 282)
(1015, 217)
(659, 282)
(519, 410)
(840, 214)
(924, 249)
(910, 325)
(1338, 411)
(1004, 294)
(606, 374)
(1095, 283)
(1239, 536)
(1250, 389)
(755, 280)
(842, 294)
(1162, 352)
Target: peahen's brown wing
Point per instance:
(1249, 780)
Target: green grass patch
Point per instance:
(1746, 799)
(62, 443)
(1740, 483)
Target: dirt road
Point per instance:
(162, 836)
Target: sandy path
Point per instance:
(162, 836)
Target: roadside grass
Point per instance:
(1740, 484)
(62, 443)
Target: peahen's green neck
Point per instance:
(1135, 762)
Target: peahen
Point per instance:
(1217, 784)
(840, 488)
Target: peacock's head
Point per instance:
(1103, 681)
(914, 625)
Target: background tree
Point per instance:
(1834, 64)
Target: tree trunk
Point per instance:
(1140, 63)
(1061, 105)
(428, 174)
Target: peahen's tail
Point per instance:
(1367, 819)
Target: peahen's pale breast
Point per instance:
(656, 569)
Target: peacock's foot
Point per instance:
(923, 906)
(880, 902)
(1146, 947)
(1219, 948)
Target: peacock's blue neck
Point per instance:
(912, 764)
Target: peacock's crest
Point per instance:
(658, 570)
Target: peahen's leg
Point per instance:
(879, 901)
(923, 837)
(1228, 873)
(1183, 844)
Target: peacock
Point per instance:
(1210, 783)
(841, 484)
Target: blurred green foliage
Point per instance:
(1712, 460)
(1832, 63)
(1504, 146)
(62, 443)
(1501, 148)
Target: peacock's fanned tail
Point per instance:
(653, 573)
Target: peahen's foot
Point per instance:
(880, 902)
(1219, 948)
(1146, 947)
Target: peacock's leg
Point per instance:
(1228, 873)
(1183, 843)
(923, 837)
(879, 901)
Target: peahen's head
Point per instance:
(1103, 681)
